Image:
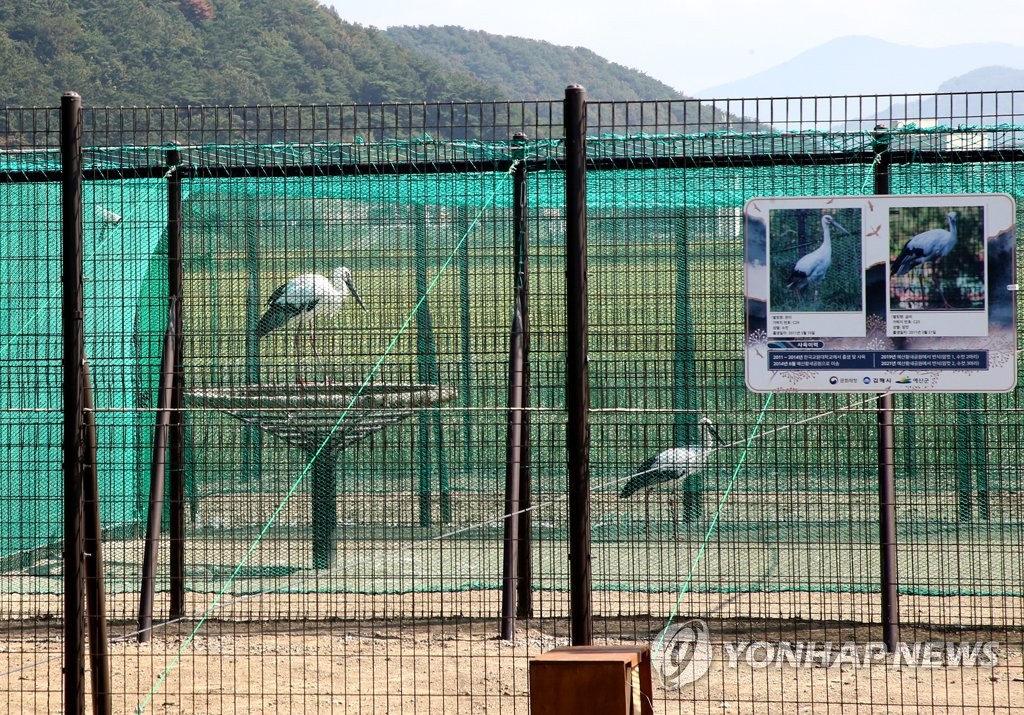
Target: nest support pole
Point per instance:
(317, 419)
(323, 504)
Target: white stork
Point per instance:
(928, 247)
(810, 270)
(107, 217)
(304, 297)
(674, 463)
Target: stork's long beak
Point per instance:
(840, 227)
(355, 293)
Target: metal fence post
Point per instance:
(972, 462)
(176, 471)
(514, 546)
(886, 452)
(513, 440)
(524, 568)
(157, 474)
(577, 388)
(95, 591)
(72, 319)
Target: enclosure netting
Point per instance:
(123, 224)
(420, 490)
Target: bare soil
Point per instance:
(407, 661)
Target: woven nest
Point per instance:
(307, 415)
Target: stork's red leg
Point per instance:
(298, 362)
(312, 342)
(938, 283)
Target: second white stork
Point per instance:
(107, 217)
(303, 298)
(927, 247)
(674, 463)
(810, 270)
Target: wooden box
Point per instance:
(601, 680)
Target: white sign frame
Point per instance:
(873, 322)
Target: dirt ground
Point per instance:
(279, 651)
(439, 665)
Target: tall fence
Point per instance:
(450, 469)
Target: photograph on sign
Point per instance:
(937, 271)
(817, 285)
(876, 293)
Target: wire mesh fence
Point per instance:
(347, 438)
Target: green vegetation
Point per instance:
(205, 53)
(521, 68)
(228, 52)
(221, 52)
(525, 68)
(531, 69)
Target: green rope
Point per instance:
(323, 445)
(714, 521)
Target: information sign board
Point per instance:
(880, 293)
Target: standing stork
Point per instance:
(673, 464)
(927, 247)
(304, 297)
(107, 217)
(810, 270)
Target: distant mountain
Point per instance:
(987, 95)
(985, 79)
(865, 65)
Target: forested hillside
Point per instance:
(529, 68)
(203, 53)
(137, 52)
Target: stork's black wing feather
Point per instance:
(646, 477)
(277, 315)
(634, 484)
(908, 258)
(277, 294)
(797, 279)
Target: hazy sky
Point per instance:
(691, 45)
